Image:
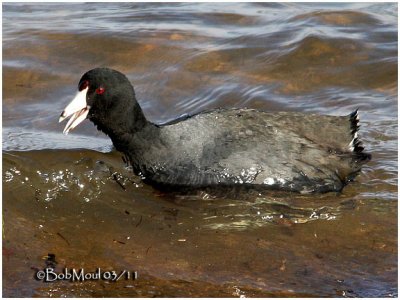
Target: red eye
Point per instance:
(100, 90)
(83, 85)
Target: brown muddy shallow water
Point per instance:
(73, 197)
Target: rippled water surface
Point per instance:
(73, 197)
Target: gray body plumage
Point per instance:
(289, 151)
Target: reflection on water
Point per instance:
(75, 198)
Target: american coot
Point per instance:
(223, 147)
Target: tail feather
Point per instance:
(356, 145)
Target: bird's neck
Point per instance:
(136, 119)
(128, 124)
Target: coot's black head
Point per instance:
(107, 98)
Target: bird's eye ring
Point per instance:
(100, 90)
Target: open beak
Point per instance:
(77, 109)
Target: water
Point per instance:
(75, 198)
